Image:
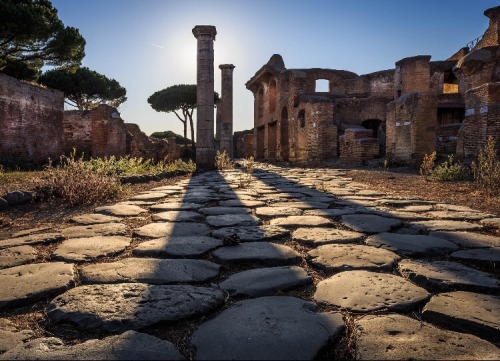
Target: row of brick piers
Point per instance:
(206, 144)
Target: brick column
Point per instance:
(205, 147)
(226, 121)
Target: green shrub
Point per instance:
(449, 171)
(487, 169)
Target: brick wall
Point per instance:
(411, 127)
(30, 122)
(482, 119)
(412, 75)
(77, 131)
(357, 146)
(242, 145)
(108, 132)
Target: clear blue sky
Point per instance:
(147, 45)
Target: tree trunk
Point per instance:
(192, 129)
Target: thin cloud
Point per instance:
(158, 46)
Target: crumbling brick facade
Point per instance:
(30, 122)
(413, 109)
(34, 127)
(357, 145)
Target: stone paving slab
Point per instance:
(171, 229)
(318, 236)
(277, 211)
(32, 239)
(250, 203)
(121, 210)
(30, 231)
(229, 220)
(131, 306)
(335, 212)
(252, 233)
(298, 221)
(369, 223)
(130, 345)
(364, 291)
(94, 218)
(256, 251)
(301, 205)
(336, 257)
(398, 337)
(187, 246)
(150, 270)
(491, 222)
(16, 256)
(175, 206)
(177, 216)
(265, 281)
(266, 328)
(459, 215)
(446, 225)
(90, 248)
(411, 245)
(214, 211)
(94, 230)
(468, 239)
(32, 282)
(485, 255)
(481, 316)
(446, 275)
(12, 335)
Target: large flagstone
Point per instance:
(186, 246)
(32, 282)
(150, 270)
(131, 306)
(364, 291)
(129, 345)
(266, 328)
(398, 337)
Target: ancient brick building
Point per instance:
(34, 127)
(416, 108)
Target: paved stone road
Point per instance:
(278, 270)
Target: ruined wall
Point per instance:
(482, 119)
(412, 75)
(491, 35)
(77, 131)
(109, 133)
(30, 122)
(357, 146)
(353, 111)
(411, 127)
(139, 145)
(243, 143)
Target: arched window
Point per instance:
(272, 96)
(302, 118)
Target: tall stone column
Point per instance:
(205, 147)
(226, 122)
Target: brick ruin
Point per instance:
(34, 127)
(420, 106)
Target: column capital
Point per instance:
(226, 66)
(204, 30)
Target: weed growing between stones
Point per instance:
(222, 160)
(487, 169)
(245, 180)
(428, 164)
